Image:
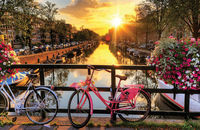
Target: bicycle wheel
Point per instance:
(139, 112)
(3, 103)
(41, 106)
(79, 107)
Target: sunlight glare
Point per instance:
(116, 21)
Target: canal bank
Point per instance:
(33, 58)
(62, 123)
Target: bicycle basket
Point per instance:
(77, 85)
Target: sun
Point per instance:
(116, 22)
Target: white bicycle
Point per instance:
(40, 103)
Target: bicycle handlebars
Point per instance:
(121, 77)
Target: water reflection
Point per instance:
(100, 54)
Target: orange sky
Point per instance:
(93, 14)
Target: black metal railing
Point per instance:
(186, 113)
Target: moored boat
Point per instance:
(178, 102)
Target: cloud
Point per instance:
(83, 8)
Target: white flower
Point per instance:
(182, 80)
(197, 55)
(4, 63)
(187, 71)
(187, 77)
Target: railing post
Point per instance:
(42, 83)
(41, 76)
(187, 104)
(113, 85)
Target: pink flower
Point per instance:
(176, 55)
(184, 58)
(156, 42)
(188, 60)
(168, 58)
(177, 82)
(192, 39)
(186, 49)
(0, 69)
(191, 80)
(170, 36)
(183, 53)
(195, 75)
(180, 84)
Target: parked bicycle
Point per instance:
(40, 103)
(131, 103)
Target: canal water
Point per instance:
(99, 54)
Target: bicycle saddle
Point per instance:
(121, 77)
(32, 75)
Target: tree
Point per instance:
(189, 12)
(160, 15)
(49, 12)
(63, 30)
(86, 35)
(143, 12)
(25, 14)
(42, 31)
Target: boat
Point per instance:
(19, 79)
(59, 59)
(177, 101)
(77, 51)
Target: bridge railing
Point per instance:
(185, 113)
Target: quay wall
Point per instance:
(33, 58)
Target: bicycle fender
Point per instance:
(8, 102)
(44, 87)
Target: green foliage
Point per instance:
(90, 124)
(107, 125)
(86, 35)
(98, 125)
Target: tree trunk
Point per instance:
(30, 44)
(159, 34)
(195, 34)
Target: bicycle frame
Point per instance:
(115, 100)
(12, 96)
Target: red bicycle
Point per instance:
(131, 103)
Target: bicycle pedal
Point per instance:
(14, 119)
(112, 121)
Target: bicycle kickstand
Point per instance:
(112, 121)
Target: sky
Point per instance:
(96, 15)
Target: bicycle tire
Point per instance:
(139, 113)
(83, 115)
(3, 103)
(44, 111)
